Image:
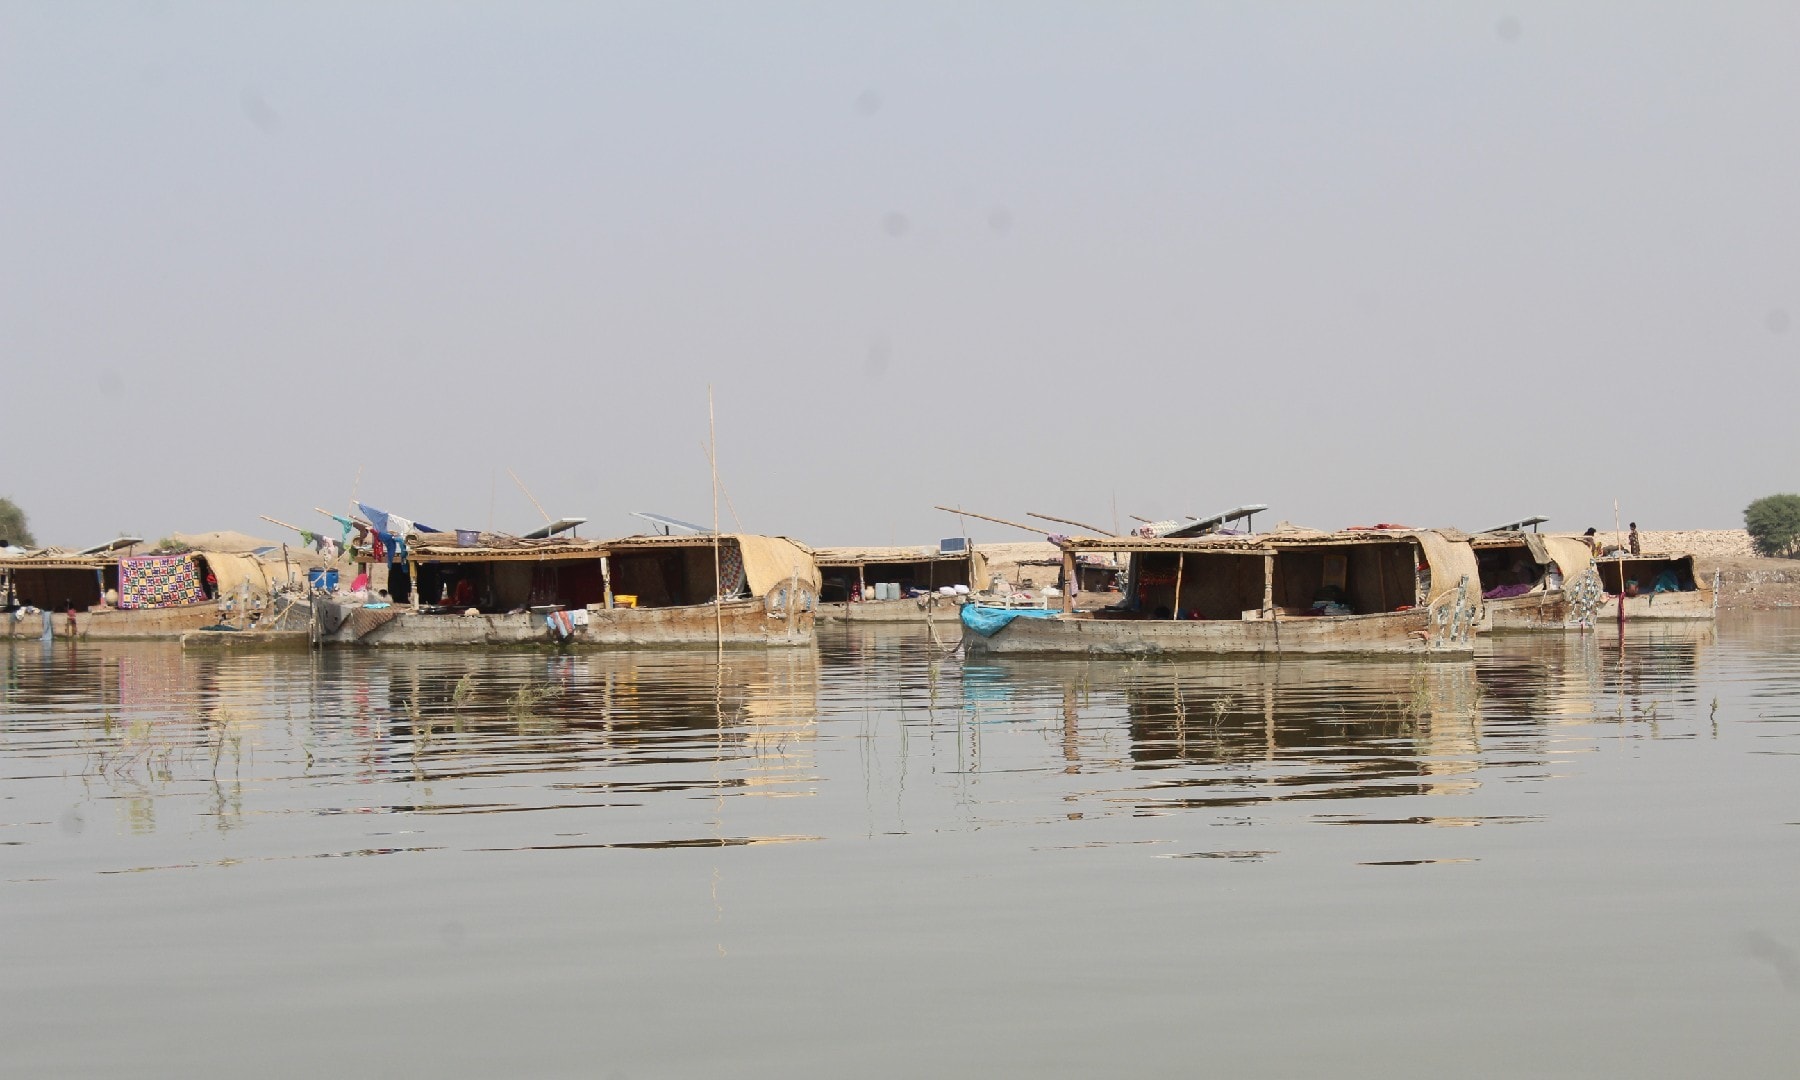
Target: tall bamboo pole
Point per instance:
(1620, 543)
(984, 517)
(712, 457)
(529, 495)
(1066, 521)
(1069, 580)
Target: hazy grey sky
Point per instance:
(1432, 263)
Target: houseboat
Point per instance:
(479, 588)
(1535, 581)
(1403, 591)
(1655, 586)
(109, 593)
(898, 584)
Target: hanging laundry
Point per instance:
(377, 549)
(307, 538)
(347, 525)
(377, 518)
(400, 526)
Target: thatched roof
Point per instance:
(1219, 542)
(55, 558)
(854, 556)
(500, 547)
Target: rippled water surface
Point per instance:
(1565, 859)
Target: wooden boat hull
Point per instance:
(920, 610)
(1584, 603)
(1533, 611)
(1697, 604)
(744, 623)
(113, 624)
(246, 639)
(1416, 632)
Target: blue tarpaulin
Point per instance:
(988, 621)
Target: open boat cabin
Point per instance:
(853, 574)
(1362, 591)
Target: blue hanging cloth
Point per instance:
(988, 621)
(377, 518)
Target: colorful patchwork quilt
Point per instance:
(159, 581)
(731, 568)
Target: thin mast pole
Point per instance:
(984, 517)
(1067, 521)
(712, 457)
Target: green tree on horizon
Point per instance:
(13, 527)
(1773, 523)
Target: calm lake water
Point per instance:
(1565, 859)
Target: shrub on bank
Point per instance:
(1773, 523)
(13, 529)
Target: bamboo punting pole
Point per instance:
(1070, 582)
(1619, 543)
(356, 518)
(283, 524)
(529, 495)
(1067, 521)
(985, 517)
(712, 458)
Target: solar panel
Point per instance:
(1519, 525)
(112, 545)
(665, 523)
(559, 525)
(1197, 526)
(1232, 515)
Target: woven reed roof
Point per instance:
(58, 559)
(853, 556)
(500, 547)
(1257, 543)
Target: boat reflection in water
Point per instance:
(1650, 671)
(432, 733)
(1229, 734)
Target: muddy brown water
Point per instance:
(1566, 858)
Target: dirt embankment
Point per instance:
(1747, 581)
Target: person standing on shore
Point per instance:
(1632, 540)
(1592, 536)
